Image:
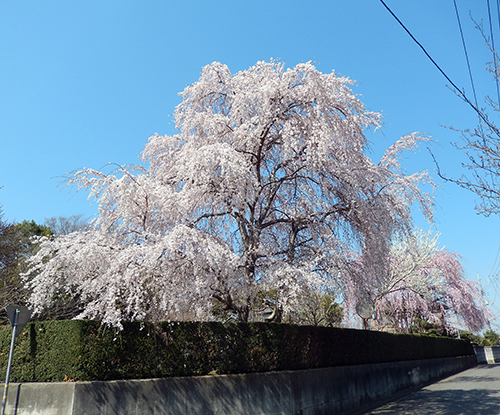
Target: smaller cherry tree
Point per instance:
(423, 283)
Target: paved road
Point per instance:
(473, 392)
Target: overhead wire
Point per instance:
(492, 40)
(494, 277)
(465, 51)
(493, 268)
(498, 13)
(458, 91)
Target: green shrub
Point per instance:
(85, 350)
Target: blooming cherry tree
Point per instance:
(423, 282)
(265, 186)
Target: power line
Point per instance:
(465, 51)
(485, 303)
(493, 270)
(493, 51)
(498, 13)
(457, 89)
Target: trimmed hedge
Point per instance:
(85, 350)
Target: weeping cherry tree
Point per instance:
(265, 187)
(424, 283)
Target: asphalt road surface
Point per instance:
(473, 392)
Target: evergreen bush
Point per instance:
(85, 350)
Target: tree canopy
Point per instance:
(266, 186)
(423, 283)
(62, 225)
(15, 249)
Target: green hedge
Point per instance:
(85, 350)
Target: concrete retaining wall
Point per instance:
(487, 354)
(307, 392)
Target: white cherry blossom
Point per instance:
(267, 184)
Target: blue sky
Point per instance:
(86, 83)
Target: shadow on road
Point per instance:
(473, 392)
(445, 402)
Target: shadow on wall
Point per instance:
(171, 396)
(326, 391)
